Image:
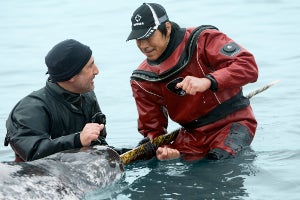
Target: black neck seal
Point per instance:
(142, 75)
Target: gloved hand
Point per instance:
(149, 150)
(100, 118)
(103, 133)
(143, 141)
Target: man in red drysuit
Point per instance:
(195, 77)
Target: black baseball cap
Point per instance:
(146, 19)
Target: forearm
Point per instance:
(153, 117)
(34, 147)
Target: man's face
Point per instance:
(154, 46)
(84, 81)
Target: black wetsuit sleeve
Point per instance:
(28, 129)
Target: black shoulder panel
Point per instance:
(230, 49)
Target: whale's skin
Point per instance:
(64, 175)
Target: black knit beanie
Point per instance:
(66, 59)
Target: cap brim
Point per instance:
(140, 34)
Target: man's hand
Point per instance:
(165, 153)
(90, 133)
(192, 85)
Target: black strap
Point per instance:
(142, 75)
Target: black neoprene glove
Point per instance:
(143, 141)
(149, 150)
(100, 118)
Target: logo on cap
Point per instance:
(138, 18)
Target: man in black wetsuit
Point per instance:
(58, 116)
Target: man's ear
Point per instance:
(168, 27)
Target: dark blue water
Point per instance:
(181, 180)
(270, 29)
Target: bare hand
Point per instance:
(165, 153)
(192, 84)
(90, 133)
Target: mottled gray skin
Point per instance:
(65, 175)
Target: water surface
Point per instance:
(268, 28)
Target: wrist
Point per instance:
(214, 83)
(77, 141)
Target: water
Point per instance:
(268, 28)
